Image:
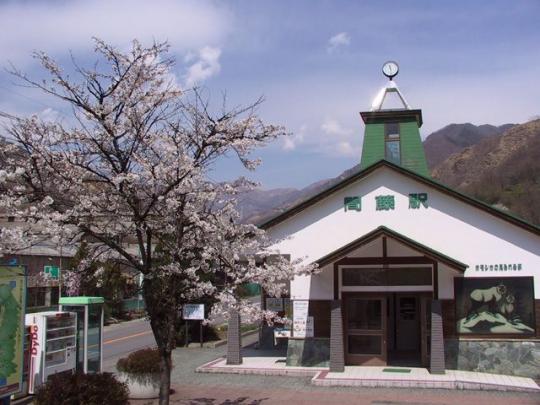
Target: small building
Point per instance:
(411, 272)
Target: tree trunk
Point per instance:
(163, 318)
(165, 379)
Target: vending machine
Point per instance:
(53, 346)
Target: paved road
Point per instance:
(124, 338)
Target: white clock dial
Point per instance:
(390, 69)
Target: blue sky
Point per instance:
(317, 63)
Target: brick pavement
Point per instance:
(228, 389)
(238, 395)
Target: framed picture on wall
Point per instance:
(495, 305)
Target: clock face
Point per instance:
(390, 69)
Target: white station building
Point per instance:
(412, 273)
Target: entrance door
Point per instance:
(365, 320)
(407, 323)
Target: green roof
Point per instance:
(81, 300)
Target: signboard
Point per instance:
(302, 323)
(12, 308)
(495, 305)
(193, 312)
(52, 271)
(274, 304)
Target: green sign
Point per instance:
(416, 200)
(353, 204)
(385, 202)
(52, 271)
(12, 308)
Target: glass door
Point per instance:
(365, 323)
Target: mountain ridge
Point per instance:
(448, 171)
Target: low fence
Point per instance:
(133, 304)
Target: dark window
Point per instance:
(54, 295)
(36, 297)
(392, 150)
(393, 276)
(11, 219)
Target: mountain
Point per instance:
(454, 137)
(502, 170)
(495, 164)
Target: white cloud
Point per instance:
(206, 66)
(290, 142)
(339, 40)
(333, 127)
(49, 115)
(344, 148)
(58, 26)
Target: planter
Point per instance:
(141, 386)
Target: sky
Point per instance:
(316, 63)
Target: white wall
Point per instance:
(452, 227)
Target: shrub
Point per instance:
(82, 389)
(145, 361)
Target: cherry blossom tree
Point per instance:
(129, 174)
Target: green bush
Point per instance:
(145, 361)
(82, 389)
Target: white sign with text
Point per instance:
(302, 323)
(193, 312)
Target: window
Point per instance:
(36, 297)
(392, 277)
(392, 151)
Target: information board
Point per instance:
(193, 312)
(302, 323)
(12, 308)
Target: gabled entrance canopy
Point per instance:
(384, 231)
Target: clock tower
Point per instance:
(393, 134)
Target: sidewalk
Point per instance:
(227, 395)
(232, 389)
(257, 362)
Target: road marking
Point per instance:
(106, 342)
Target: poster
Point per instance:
(193, 312)
(274, 304)
(12, 308)
(302, 323)
(495, 305)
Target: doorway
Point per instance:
(404, 331)
(365, 337)
(387, 329)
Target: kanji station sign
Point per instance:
(386, 202)
(353, 203)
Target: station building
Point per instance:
(411, 272)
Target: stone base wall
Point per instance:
(519, 358)
(308, 352)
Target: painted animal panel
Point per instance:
(502, 305)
